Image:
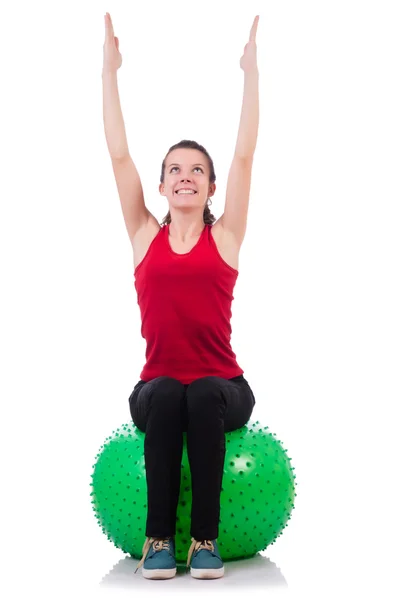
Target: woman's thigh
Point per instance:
(240, 405)
(236, 394)
(166, 393)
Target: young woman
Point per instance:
(185, 272)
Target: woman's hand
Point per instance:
(248, 61)
(111, 56)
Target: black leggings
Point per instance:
(205, 409)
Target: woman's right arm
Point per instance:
(127, 178)
(115, 134)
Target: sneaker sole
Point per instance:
(207, 573)
(159, 573)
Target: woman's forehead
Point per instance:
(189, 157)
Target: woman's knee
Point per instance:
(166, 393)
(204, 394)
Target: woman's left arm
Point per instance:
(249, 121)
(234, 218)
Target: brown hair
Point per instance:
(207, 215)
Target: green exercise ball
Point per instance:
(257, 495)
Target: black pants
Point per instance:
(205, 409)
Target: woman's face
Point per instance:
(187, 168)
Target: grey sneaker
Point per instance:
(206, 562)
(158, 558)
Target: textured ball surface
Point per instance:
(257, 496)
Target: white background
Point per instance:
(314, 315)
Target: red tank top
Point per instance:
(185, 303)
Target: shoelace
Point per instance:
(158, 544)
(198, 545)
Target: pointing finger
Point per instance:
(254, 29)
(109, 27)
